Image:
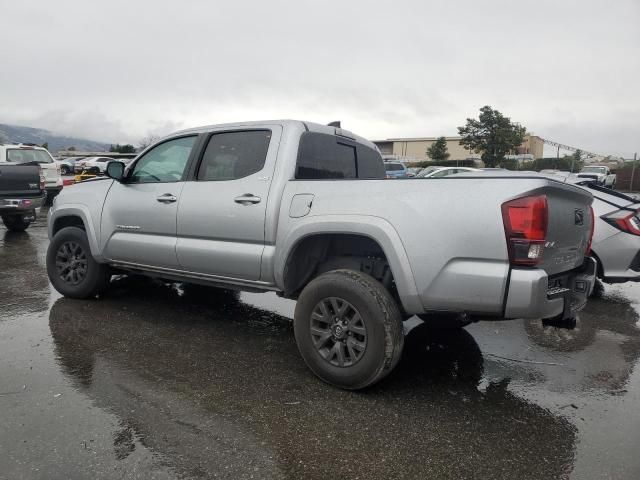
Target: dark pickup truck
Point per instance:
(22, 192)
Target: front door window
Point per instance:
(164, 163)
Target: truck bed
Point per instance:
(451, 229)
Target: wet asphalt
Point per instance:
(171, 381)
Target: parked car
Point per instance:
(438, 172)
(616, 239)
(395, 170)
(22, 193)
(67, 164)
(600, 173)
(29, 154)
(94, 165)
(303, 210)
(413, 171)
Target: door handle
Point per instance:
(167, 198)
(247, 199)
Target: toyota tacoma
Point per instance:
(304, 210)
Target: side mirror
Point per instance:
(115, 170)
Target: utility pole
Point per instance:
(633, 171)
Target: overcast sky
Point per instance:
(117, 70)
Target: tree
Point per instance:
(493, 135)
(127, 148)
(576, 160)
(438, 150)
(71, 149)
(45, 145)
(148, 140)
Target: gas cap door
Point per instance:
(300, 205)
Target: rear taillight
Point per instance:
(624, 220)
(525, 226)
(42, 181)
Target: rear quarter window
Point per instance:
(324, 156)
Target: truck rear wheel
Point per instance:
(72, 270)
(348, 329)
(15, 223)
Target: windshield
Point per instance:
(594, 169)
(393, 167)
(427, 171)
(26, 155)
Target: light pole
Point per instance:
(633, 171)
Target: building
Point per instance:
(415, 149)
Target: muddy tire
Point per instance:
(15, 223)
(72, 270)
(348, 329)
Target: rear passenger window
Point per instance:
(324, 156)
(233, 155)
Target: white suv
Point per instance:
(22, 154)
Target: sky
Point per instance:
(117, 71)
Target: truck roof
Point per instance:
(24, 146)
(286, 123)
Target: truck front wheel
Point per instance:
(348, 329)
(72, 270)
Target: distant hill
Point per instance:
(16, 134)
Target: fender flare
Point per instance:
(375, 228)
(81, 211)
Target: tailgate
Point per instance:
(569, 228)
(50, 172)
(19, 180)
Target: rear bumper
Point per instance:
(533, 294)
(13, 206)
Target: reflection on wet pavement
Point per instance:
(179, 381)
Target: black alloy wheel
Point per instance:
(71, 263)
(338, 332)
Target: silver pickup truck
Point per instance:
(304, 210)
